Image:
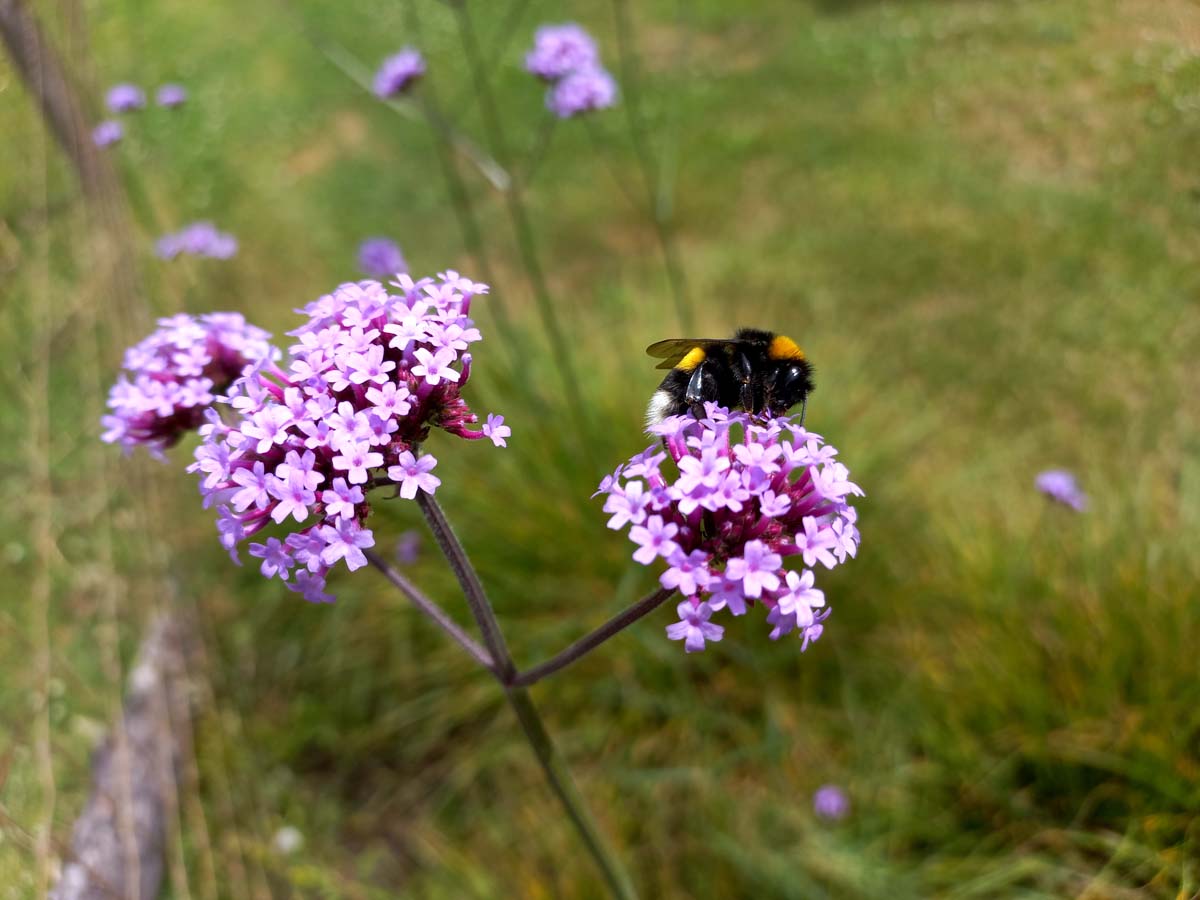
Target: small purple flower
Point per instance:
(830, 802)
(124, 98)
(412, 473)
(1060, 485)
(408, 547)
(655, 540)
(694, 628)
(559, 50)
(380, 257)
(398, 73)
(581, 91)
(107, 133)
(197, 239)
(171, 95)
(495, 429)
(744, 495)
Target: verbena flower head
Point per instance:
(380, 257)
(197, 239)
(559, 50)
(739, 497)
(125, 98)
(580, 92)
(107, 133)
(171, 95)
(399, 72)
(1060, 485)
(830, 802)
(371, 374)
(173, 376)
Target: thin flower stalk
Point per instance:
(557, 774)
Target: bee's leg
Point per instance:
(702, 386)
(746, 377)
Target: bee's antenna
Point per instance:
(803, 409)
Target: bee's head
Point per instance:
(790, 384)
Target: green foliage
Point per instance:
(978, 218)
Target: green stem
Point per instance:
(557, 774)
(519, 217)
(559, 778)
(659, 212)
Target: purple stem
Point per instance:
(590, 642)
(481, 608)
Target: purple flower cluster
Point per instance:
(831, 803)
(173, 375)
(107, 133)
(746, 493)
(380, 257)
(125, 98)
(567, 57)
(559, 50)
(582, 91)
(371, 374)
(399, 72)
(197, 239)
(1060, 485)
(171, 95)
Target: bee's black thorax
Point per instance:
(759, 371)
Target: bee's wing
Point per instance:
(673, 350)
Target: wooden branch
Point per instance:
(117, 846)
(46, 78)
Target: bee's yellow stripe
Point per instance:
(693, 359)
(784, 348)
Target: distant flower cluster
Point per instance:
(172, 377)
(399, 72)
(380, 257)
(107, 133)
(567, 57)
(733, 510)
(171, 96)
(197, 239)
(1060, 485)
(830, 802)
(371, 374)
(124, 98)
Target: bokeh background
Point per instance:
(980, 218)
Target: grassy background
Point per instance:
(979, 218)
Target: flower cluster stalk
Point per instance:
(553, 767)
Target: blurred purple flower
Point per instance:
(830, 802)
(722, 525)
(173, 376)
(107, 133)
(581, 91)
(559, 50)
(399, 72)
(347, 414)
(408, 547)
(197, 239)
(380, 257)
(171, 95)
(1060, 485)
(124, 98)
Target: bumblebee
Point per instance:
(758, 371)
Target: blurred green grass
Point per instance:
(981, 221)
